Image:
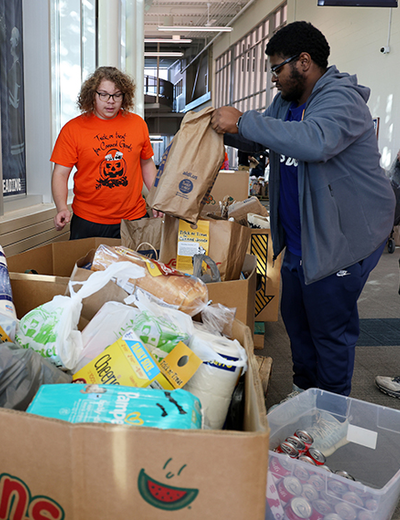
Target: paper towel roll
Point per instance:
(224, 360)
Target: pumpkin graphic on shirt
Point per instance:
(112, 170)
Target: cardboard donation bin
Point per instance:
(57, 259)
(235, 184)
(55, 263)
(55, 469)
(367, 441)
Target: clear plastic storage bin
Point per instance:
(368, 449)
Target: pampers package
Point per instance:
(77, 403)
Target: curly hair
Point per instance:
(121, 80)
(298, 37)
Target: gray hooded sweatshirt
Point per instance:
(346, 200)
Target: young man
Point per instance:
(331, 205)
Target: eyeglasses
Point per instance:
(275, 68)
(105, 96)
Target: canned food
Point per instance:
(298, 509)
(301, 473)
(353, 498)
(306, 458)
(365, 515)
(371, 504)
(297, 443)
(330, 498)
(339, 488)
(309, 492)
(317, 481)
(288, 449)
(344, 474)
(288, 488)
(322, 507)
(317, 456)
(305, 437)
(280, 466)
(345, 511)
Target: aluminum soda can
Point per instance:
(333, 516)
(281, 466)
(326, 468)
(371, 504)
(339, 488)
(288, 448)
(306, 458)
(309, 492)
(345, 511)
(353, 498)
(322, 507)
(317, 456)
(330, 498)
(297, 443)
(317, 481)
(365, 515)
(288, 488)
(344, 474)
(301, 473)
(299, 508)
(305, 437)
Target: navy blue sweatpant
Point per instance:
(322, 322)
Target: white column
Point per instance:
(109, 33)
(134, 59)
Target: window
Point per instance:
(241, 73)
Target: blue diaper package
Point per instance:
(116, 404)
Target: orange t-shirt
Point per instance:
(108, 182)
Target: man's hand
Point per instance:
(224, 120)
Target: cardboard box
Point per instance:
(59, 259)
(269, 275)
(55, 469)
(235, 184)
(239, 294)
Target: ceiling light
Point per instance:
(163, 54)
(193, 28)
(167, 40)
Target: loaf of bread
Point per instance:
(184, 292)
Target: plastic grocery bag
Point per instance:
(160, 327)
(108, 325)
(52, 329)
(22, 372)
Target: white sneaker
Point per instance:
(389, 385)
(329, 434)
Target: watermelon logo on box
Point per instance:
(164, 496)
(17, 503)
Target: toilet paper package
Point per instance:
(224, 361)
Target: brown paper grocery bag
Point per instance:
(188, 168)
(143, 236)
(228, 244)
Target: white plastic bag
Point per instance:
(52, 329)
(107, 326)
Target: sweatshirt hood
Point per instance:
(332, 74)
